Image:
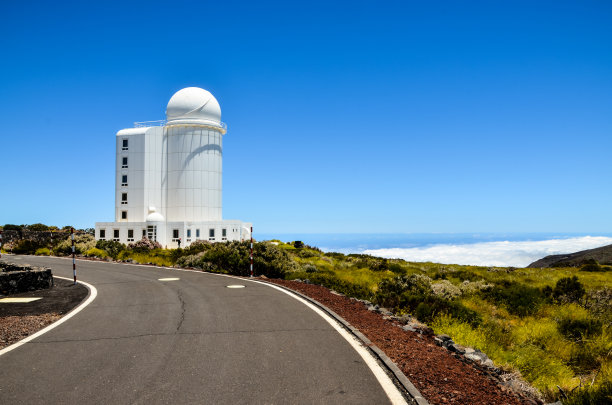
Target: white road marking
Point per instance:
(235, 286)
(383, 379)
(92, 296)
(390, 389)
(19, 300)
(168, 279)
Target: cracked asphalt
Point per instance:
(191, 341)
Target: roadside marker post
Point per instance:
(251, 251)
(73, 255)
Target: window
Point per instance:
(197, 233)
(123, 198)
(211, 234)
(144, 233)
(152, 232)
(175, 235)
(189, 233)
(123, 214)
(124, 180)
(102, 233)
(124, 163)
(124, 144)
(130, 235)
(223, 234)
(116, 235)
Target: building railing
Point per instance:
(161, 123)
(145, 124)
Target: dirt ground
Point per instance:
(19, 320)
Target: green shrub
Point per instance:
(334, 283)
(309, 268)
(568, 289)
(577, 329)
(95, 252)
(598, 395)
(38, 227)
(144, 245)
(517, 298)
(111, 247)
(26, 247)
(82, 243)
(11, 227)
(43, 252)
(298, 244)
(335, 255)
(234, 258)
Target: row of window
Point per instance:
(152, 233)
(130, 237)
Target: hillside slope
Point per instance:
(603, 255)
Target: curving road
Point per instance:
(144, 341)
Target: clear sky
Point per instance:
(377, 116)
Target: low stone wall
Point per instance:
(17, 278)
(41, 237)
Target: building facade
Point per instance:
(168, 177)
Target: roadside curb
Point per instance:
(92, 294)
(400, 377)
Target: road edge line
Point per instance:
(390, 389)
(93, 293)
(401, 378)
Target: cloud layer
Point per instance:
(505, 253)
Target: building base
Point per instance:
(168, 234)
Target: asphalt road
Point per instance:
(144, 341)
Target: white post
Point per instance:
(73, 254)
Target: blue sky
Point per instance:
(349, 117)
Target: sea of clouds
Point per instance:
(502, 253)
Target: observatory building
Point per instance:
(168, 177)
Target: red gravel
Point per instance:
(15, 328)
(440, 377)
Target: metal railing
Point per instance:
(161, 123)
(145, 124)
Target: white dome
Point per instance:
(155, 217)
(193, 105)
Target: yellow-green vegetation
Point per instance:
(159, 257)
(554, 325)
(42, 252)
(95, 252)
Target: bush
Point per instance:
(577, 329)
(517, 298)
(144, 245)
(38, 227)
(414, 293)
(334, 283)
(82, 243)
(309, 268)
(111, 247)
(95, 252)
(568, 289)
(234, 258)
(11, 227)
(43, 252)
(298, 244)
(26, 247)
(587, 395)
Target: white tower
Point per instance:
(195, 150)
(169, 177)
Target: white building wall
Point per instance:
(194, 173)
